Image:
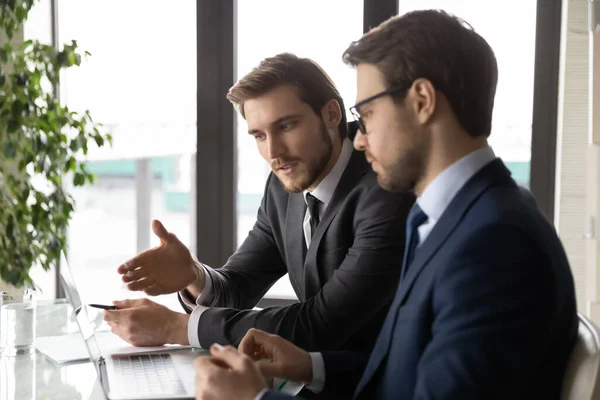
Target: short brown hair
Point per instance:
(315, 87)
(442, 48)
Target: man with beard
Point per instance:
(323, 219)
(485, 308)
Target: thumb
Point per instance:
(161, 232)
(254, 341)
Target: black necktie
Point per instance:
(416, 217)
(313, 209)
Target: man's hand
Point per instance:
(227, 374)
(286, 360)
(166, 268)
(143, 322)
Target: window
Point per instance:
(510, 31)
(315, 29)
(39, 27)
(140, 83)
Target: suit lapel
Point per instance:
(357, 167)
(450, 219)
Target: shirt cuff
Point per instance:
(318, 373)
(205, 297)
(207, 293)
(193, 325)
(261, 394)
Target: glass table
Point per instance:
(36, 376)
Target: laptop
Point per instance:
(157, 375)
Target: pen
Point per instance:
(103, 307)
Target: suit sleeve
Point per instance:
(343, 370)
(494, 304)
(252, 269)
(362, 286)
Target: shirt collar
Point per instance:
(324, 190)
(439, 193)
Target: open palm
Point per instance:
(166, 268)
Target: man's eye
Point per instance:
(287, 126)
(366, 114)
(259, 137)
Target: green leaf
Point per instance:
(9, 150)
(10, 30)
(70, 165)
(13, 126)
(5, 52)
(21, 79)
(62, 59)
(17, 109)
(24, 195)
(78, 179)
(99, 140)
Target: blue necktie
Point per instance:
(416, 217)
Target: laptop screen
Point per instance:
(80, 310)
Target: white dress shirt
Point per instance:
(323, 192)
(325, 189)
(433, 201)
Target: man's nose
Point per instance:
(360, 141)
(275, 147)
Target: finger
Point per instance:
(112, 317)
(248, 345)
(161, 232)
(114, 328)
(155, 290)
(255, 340)
(129, 303)
(136, 274)
(207, 364)
(230, 356)
(144, 258)
(142, 284)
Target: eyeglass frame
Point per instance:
(356, 114)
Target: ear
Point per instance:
(424, 99)
(331, 113)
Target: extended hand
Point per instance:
(143, 322)
(286, 360)
(227, 374)
(166, 268)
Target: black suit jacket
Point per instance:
(345, 281)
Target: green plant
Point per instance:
(41, 144)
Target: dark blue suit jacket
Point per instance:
(485, 311)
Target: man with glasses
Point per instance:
(323, 220)
(485, 308)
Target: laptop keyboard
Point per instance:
(147, 374)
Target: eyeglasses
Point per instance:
(356, 114)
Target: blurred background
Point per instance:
(157, 78)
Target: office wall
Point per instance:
(593, 173)
(578, 161)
